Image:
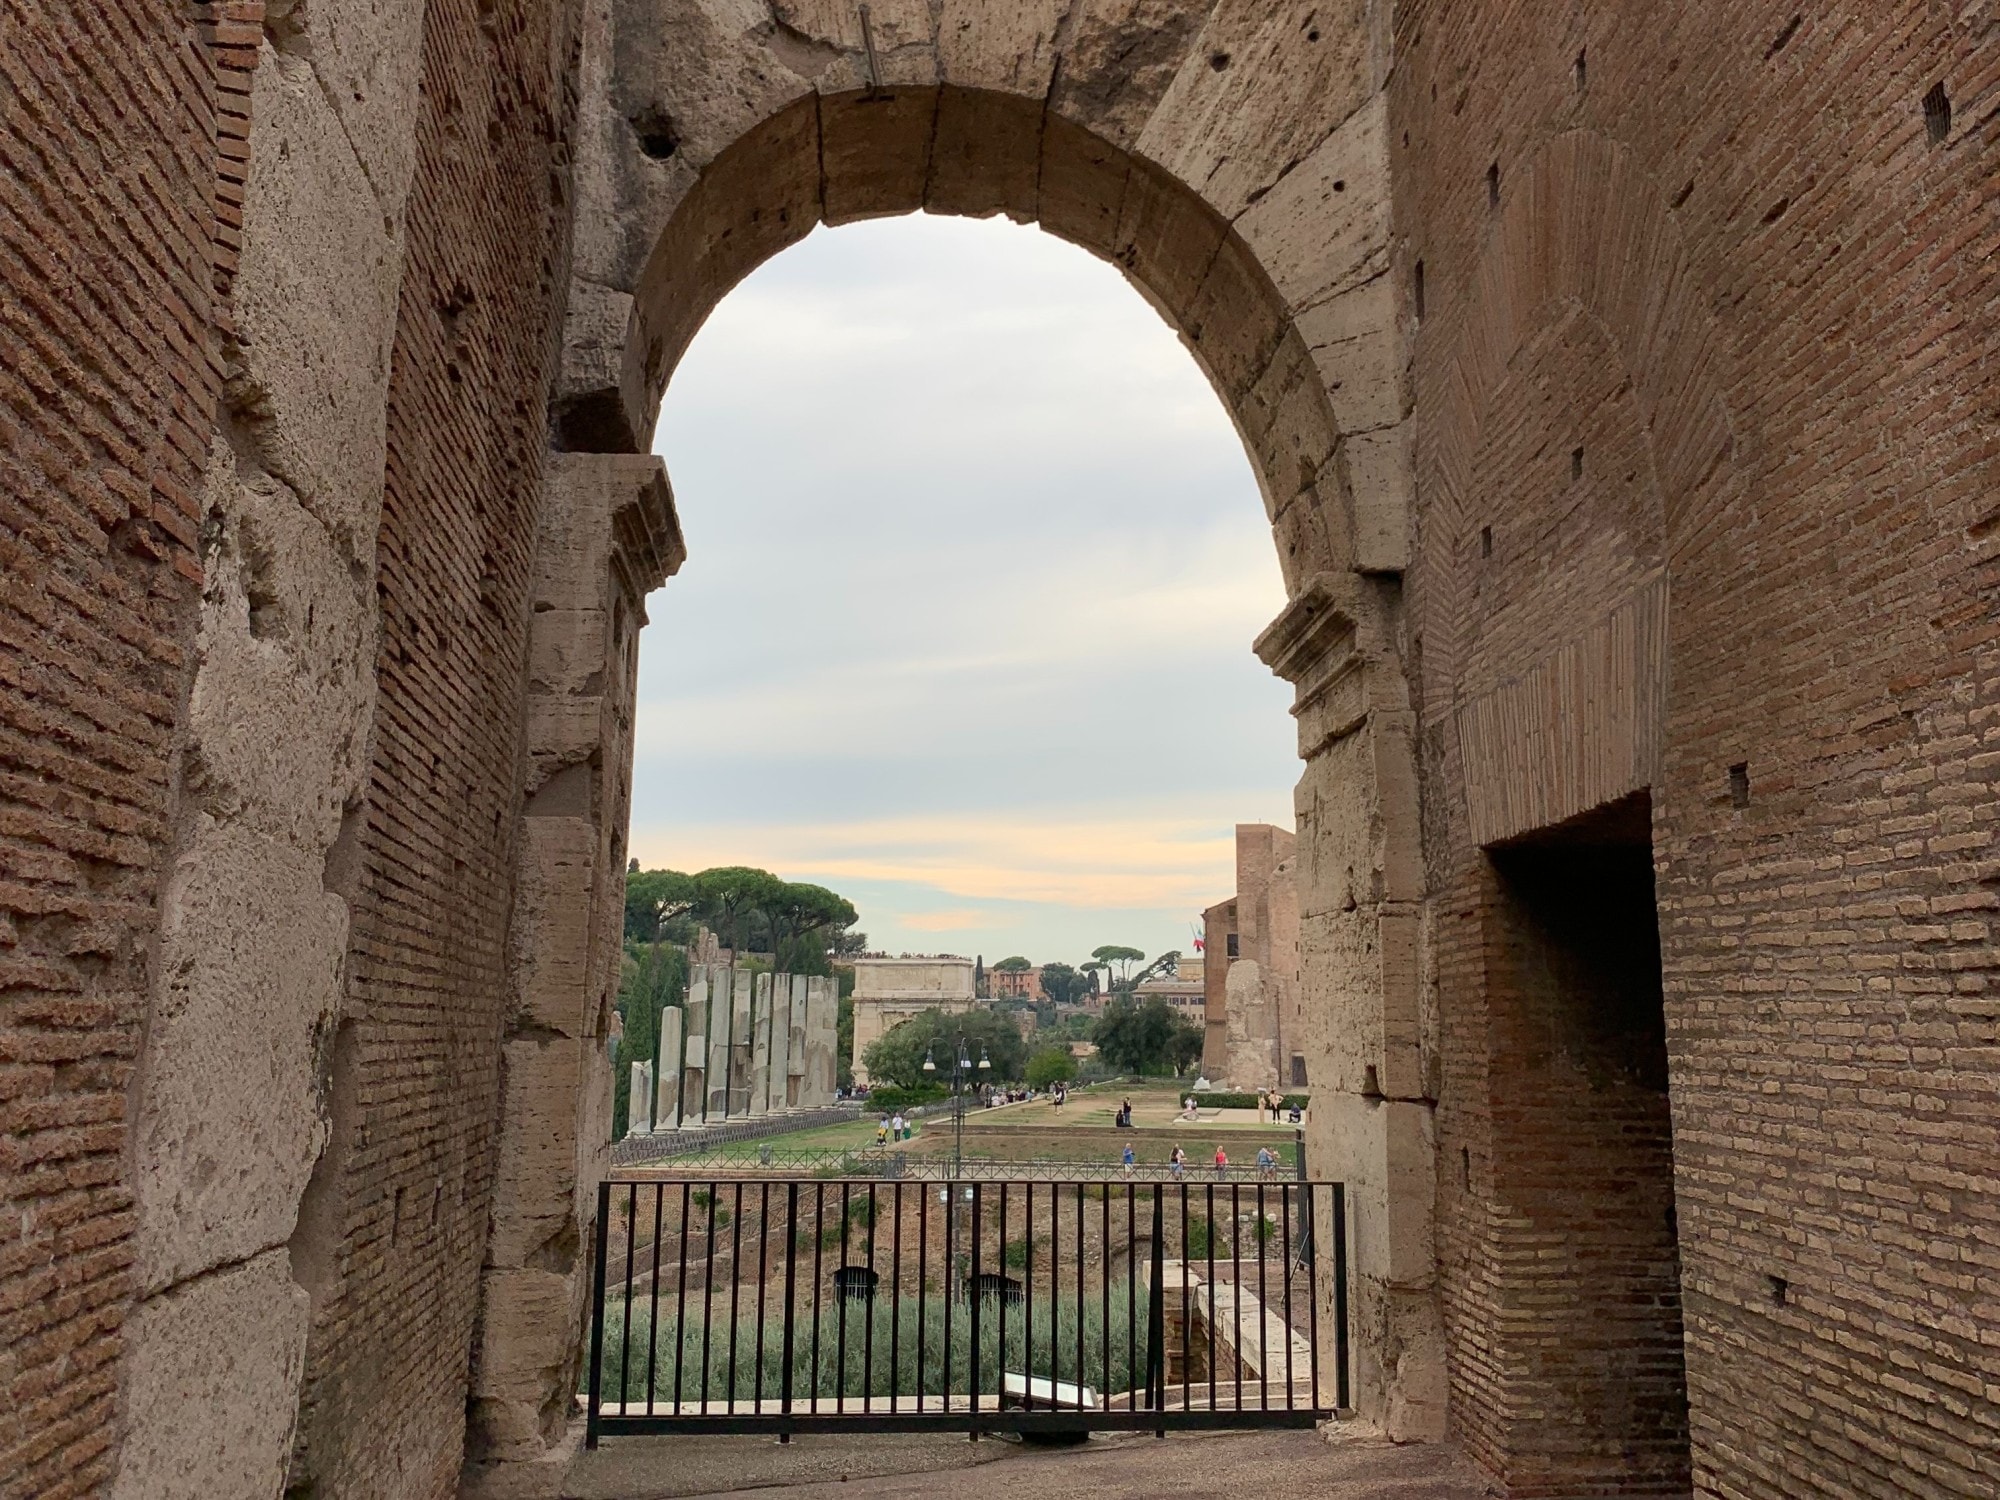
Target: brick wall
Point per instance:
(1727, 252)
(108, 184)
(400, 1200)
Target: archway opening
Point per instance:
(1590, 1329)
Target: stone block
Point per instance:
(1323, 228)
(1379, 476)
(1007, 46)
(668, 1072)
(230, 1115)
(284, 685)
(875, 152)
(544, 1088)
(1257, 90)
(1119, 59)
(315, 306)
(211, 1385)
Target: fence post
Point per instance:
(597, 1314)
(1341, 1393)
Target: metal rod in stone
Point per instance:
(868, 46)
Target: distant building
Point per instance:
(1017, 984)
(889, 991)
(1184, 989)
(1252, 1037)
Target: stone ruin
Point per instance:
(1616, 380)
(742, 1045)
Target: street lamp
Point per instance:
(961, 1069)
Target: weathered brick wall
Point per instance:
(398, 1209)
(1729, 245)
(108, 374)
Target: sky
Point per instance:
(975, 559)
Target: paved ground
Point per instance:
(1283, 1465)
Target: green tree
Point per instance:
(654, 899)
(1050, 1065)
(1013, 964)
(1063, 984)
(1117, 962)
(1143, 1038)
(898, 1056)
(804, 918)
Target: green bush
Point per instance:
(832, 1351)
(1216, 1099)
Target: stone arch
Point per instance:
(1231, 159)
(1586, 236)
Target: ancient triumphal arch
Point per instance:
(1612, 376)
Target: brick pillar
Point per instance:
(609, 536)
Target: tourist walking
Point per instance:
(1177, 1163)
(1221, 1162)
(1127, 1163)
(899, 1129)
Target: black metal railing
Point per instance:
(759, 1304)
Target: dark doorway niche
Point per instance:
(1584, 1152)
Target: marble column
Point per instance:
(667, 1073)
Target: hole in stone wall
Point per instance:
(1937, 114)
(1465, 1167)
(1576, 463)
(1298, 1071)
(1417, 289)
(1340, 184)
(1739, 784)
(1781, 1289)
(1776, 211)
(1578, 74)
(1371, 1083)
(1778, 42)
(1682, 196)
(1218, 60)
(1493, 185)
(655, 132)
(1486, 541)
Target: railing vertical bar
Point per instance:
(681, 1297)
(972, 1283)
(896, 1298)
(950, 1246)
(1263, 1304)
(1104, 1293)
(840, 1309)
(1000, 1375)
(791, 1295)
(1312, 1288)
(923, 1280)
(1131, 1294)
(818, 1289)
(625, 1346)
(1235, 1287)
(597, 1315)
(763, 1282)
(868, 1315)
(653, 1313)
(1187, 1306)
(1080, 1254)
(1028, 1300)
(735, 1286)
(1213, 1339)
(1156, 1314)
(1343, 1397)
(1291, 1342)
(707, 1291)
